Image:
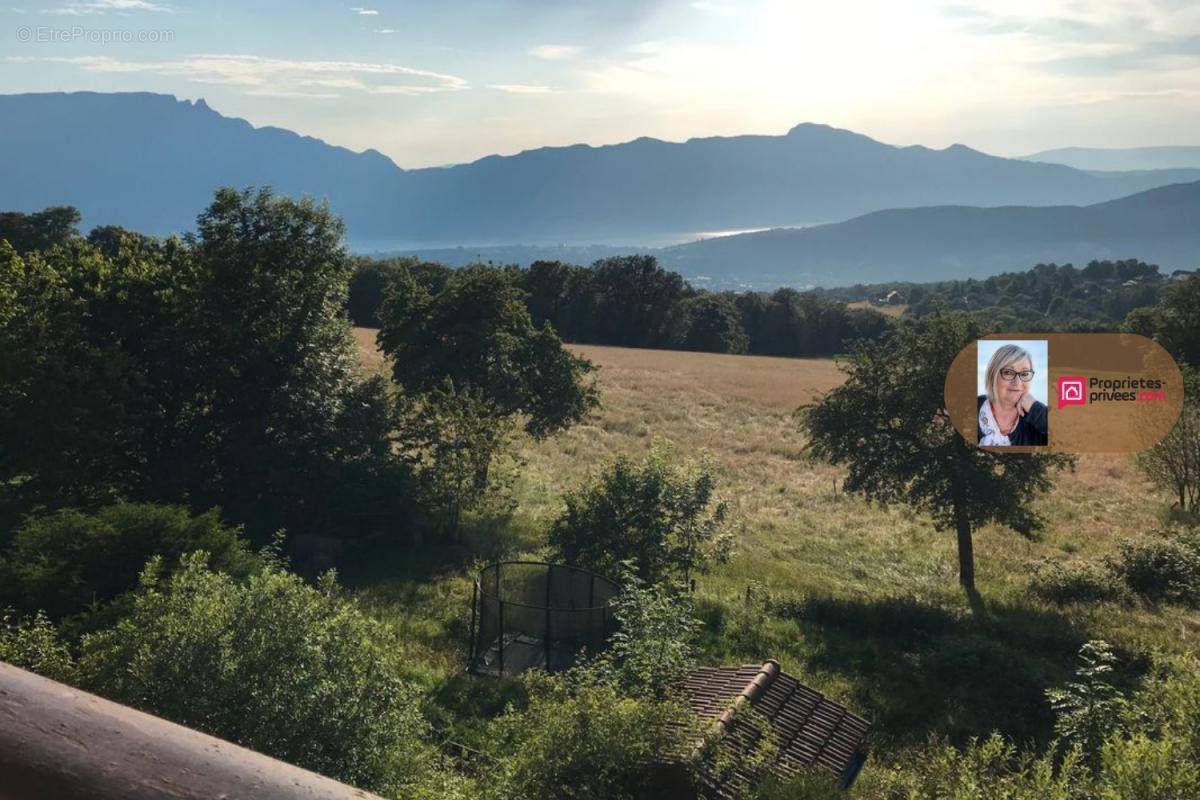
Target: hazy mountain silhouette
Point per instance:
(1161, 226)
(150, 162)
(1127, 159)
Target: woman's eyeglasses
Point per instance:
(1008, 374)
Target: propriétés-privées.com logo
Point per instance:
(1078, 390)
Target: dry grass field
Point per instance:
(891, 311)
(876, 616)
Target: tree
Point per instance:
(636, 300)
(452, 437)
(40, 230)
(218, 370)
(372, 278)
(886, 424)
(477, 332)
(1174, 462)
(1174, 322)
(662, 520)
(713, 325)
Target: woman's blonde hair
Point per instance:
(1004, 356)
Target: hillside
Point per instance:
(1121, 159)
(862, 598)
(147, 161)
(1161, 226)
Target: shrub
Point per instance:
(1150, 753)
(655, 644)
(1146, 768)
(660, 519)
(1164, 568)
(33, 644)
(273, 664)
(1077, 582)
(63, 563)
(581, 737)
(1089, 709)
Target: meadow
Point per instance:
(859, 601)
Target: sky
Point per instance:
(431, 83)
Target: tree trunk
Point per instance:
(966, 548)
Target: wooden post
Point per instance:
(546, 632)
(474, 617)
(62, 743)
(500, 641)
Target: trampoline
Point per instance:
(528, 614)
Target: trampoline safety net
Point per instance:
(534, 615)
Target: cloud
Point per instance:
(1066, 38)
(106, 6)
(717, 7)
(521, 88)
(386, 30)
(275, 77)
(555, 52)
(365, 12)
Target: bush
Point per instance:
(1079, 582)
(272, 664)
(655, 645)
(33, 644)
(1150, 753)
(1165, 568)
(64, 563)
(660, 519)
(583, 738)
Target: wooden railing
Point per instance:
(61, 743)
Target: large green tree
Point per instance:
(888, 427)
(477, 332)
(218, 370)
(713, 325)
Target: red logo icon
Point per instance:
(1072, 391)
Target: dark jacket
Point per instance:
(1031, 430)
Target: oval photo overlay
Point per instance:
(1092, 393)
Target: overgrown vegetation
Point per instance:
(659, 519)
(218, 371)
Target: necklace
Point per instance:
(1011, 428)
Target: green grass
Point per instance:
(859, 601)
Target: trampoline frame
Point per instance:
(544, 637)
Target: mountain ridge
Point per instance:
(150, 162)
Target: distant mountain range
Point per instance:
(1161, 226)
(1126, 159)
(150, 162)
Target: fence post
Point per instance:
(474, 633)
(549, 581)
(501, 639)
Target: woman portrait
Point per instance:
(1009, 412)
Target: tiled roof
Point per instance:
(811, 730)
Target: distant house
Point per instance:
(894, 298)
(813, 732)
